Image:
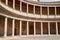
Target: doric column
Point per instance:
(49, 28)
(5, 29)
(41, 10)
(20, 6)
(14, 4)
(55, 11)
(56, 28)
(48, 10)
(34, 28)
(13, 27)
(41, 28)
(27, 7)
(6, 2)
(27, 28)
(20, 27)
(34, 9)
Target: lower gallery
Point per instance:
(26, 20)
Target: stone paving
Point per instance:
(33, 38)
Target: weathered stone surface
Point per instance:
(33, 38)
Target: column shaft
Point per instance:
(14, 4)
(5, 31)
(20, 27)
(41, 10)
(6, 2)
(48, 10)
(41, 29)
(20, 6)
(34, 28)
(34, 9)
(27, 28)
(49, 28)
(55, 11)
(27, 7)
(56, 28)
(13, 27)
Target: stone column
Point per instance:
(27, 28)
(13, 27)
(27, 7)
(41, 29)
(48, 10)
(34, 9)
(56, 28)
(49, 28)
(20, 6)
(13, 4)
(41, 10)
(6, 2)
(5, 29)
(55, 11)
(20, 27)
(34, 28)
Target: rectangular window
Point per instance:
(10, 3)
(2, 25)
(17, 4)
(52, 28)
(45, 28)
(3, 1)
(44, 11)
(58, 10)
(9, 27)
(31, 28)
(51, 10)
(30, 8)
(24, 7)
(38, 28)
(37, 9)
(17, 27)
(24, 28)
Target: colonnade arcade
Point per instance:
(13, 27)
(33, 8)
